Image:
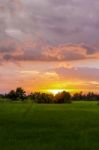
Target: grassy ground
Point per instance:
(49, 127)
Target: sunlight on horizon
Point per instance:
(56, 91)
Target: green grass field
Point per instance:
(27, 126)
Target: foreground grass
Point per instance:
(49, 127)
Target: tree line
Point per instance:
(37, 97)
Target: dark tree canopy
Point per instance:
(18, 94)
(63, 97)
(37, 97)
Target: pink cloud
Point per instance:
(29, 51)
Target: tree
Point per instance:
(11, 95)
(91, 96)
(20, 93)
(63, 97)
(38, 97)
(79, 96)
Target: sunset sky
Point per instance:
(49, 44)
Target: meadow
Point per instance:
(28, 126)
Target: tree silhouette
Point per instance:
(12, 95)
(63, 97)
(20, 93)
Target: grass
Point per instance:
(26, 126)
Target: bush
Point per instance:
(38, 97)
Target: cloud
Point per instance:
(24, 52)
(50, 31)
(85, 74)
(57, 21)
(69, 52)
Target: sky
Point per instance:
(49, 44)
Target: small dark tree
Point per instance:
(92, 96)
(79, 96)
(67, 97)
(20, 93)
(11, 95)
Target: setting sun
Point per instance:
(56, 91)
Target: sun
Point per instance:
(55, 91)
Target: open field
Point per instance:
(27, 126)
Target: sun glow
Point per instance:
(55, 91)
